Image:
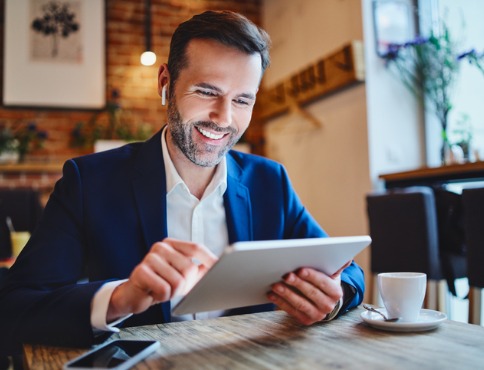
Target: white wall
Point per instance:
(464, 19)
(368, 129)
(395, 118)
(303, 31)
(328, 166)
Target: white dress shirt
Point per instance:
(188, 218)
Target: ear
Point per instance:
(163, 78)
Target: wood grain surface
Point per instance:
(273, 340)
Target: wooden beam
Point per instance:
(343, 67)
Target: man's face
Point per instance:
(213, 100)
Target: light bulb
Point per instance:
(148, 58)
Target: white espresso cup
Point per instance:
(403, 294)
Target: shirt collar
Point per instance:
(173, 179)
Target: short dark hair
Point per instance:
(229, 28)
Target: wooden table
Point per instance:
(429, 176)
(272, 340)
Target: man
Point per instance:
(134, 219)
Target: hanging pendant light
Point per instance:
(148, 58)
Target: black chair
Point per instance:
(405, 237)
(24, 208)
(473, 211)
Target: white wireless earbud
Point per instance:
(163, 95)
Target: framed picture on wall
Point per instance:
(393, 23)
(54, 54)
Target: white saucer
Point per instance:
(428, 319)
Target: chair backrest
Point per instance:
(473, 213)
(403, 228)
(24, 208)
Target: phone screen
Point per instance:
(112, 355)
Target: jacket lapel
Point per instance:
(149, 187)
(237, 204)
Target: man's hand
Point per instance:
(307, 294)
(167, 270)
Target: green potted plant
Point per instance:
(18, 142)
(428, 67)
(7, 147)
(461, 136)
(113, 123)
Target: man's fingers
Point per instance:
(176, 262)
(147, 280)
(168, 264)
(190, 250)
(294, 304)
(326, 285)
(167, 270)
(307, 294)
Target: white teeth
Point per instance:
(209, 134)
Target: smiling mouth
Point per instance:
(210, 135)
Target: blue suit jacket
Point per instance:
(102, 218)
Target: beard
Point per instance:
(201, 154)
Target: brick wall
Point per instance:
(137, 84)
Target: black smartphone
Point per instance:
(115, 355)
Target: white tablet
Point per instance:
(246, 270)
